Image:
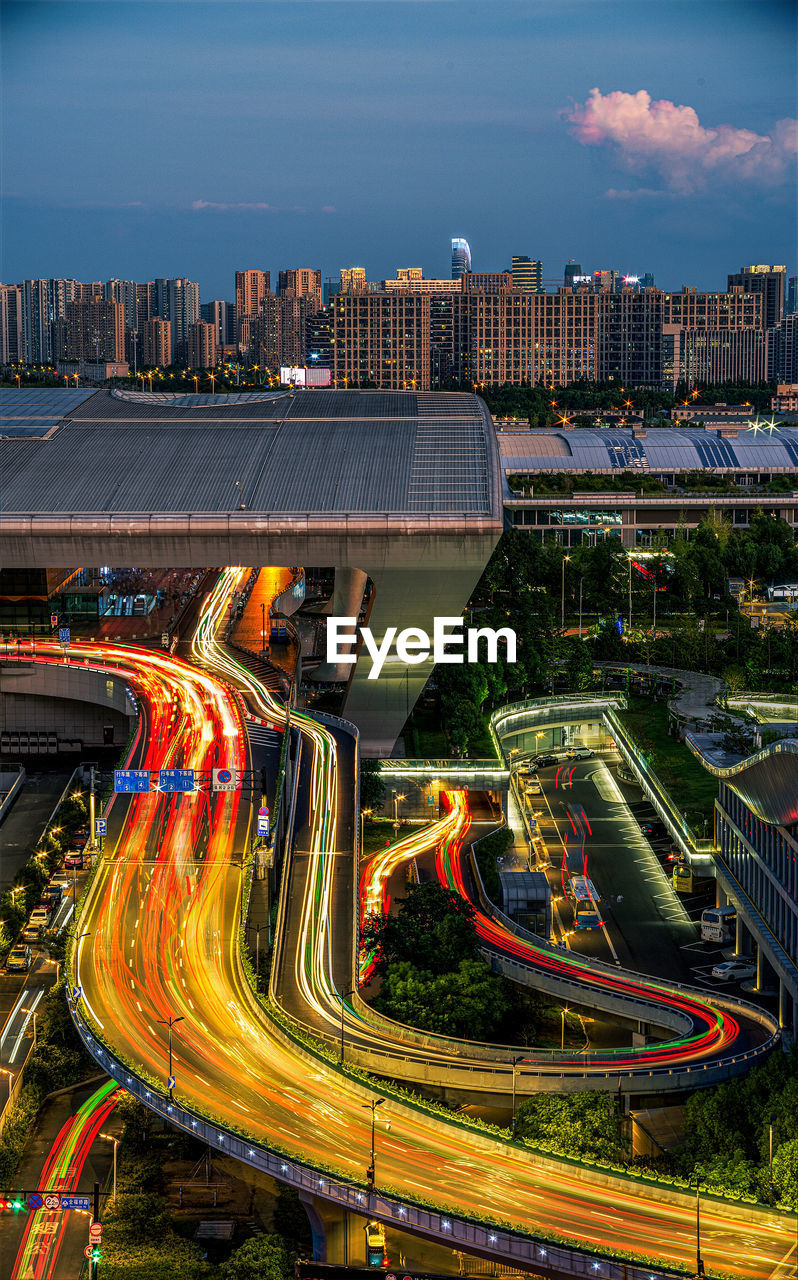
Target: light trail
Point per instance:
(176, 872)
(37, 1256)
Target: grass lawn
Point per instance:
(692, 789)
(376, 831)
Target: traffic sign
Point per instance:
(95, 1231)
(225, 780)
(76, 1202)
(77, 992)
(63, 635)
(263, 826)
(53, 619)
(176, 779)
(52, 1201)
(165, 639)
(100, 826)
(264, 811)
(35, 1201)
(88, 1251)
(131, 779)
(170, 1082)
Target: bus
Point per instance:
(718, 924)
(585, 900)
(683, 877)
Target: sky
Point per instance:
(163, 138)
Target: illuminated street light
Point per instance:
(170, 1022)
(109, 1137)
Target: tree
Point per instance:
(575, 1124)
(785, 1174)
(264, 1258)
(467, 1003)
(433, 929)
(372, 788)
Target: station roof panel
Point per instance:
(658, 449)
(297, 452)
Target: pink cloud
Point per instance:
(671, 139)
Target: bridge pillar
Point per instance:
(338, 1235)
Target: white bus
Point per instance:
(718, 924)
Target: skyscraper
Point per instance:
(93, 330)
(792, 296)
(300, 282)
(461, 257)
(527, 274)
(177, 300)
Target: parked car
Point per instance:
(675, 855)
(579, 753)
(74, 860)
(734, 970)
(543, 762)
(652, 828)
(81, 835)
(19, 959)
(32, 932)
(41, 915)
(53, 892)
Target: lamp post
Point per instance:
(770, 1161)
(581, 581)
(516, 1061)
(34, 1014)
(363, 814)
(370, 1172)
(563, 1012)
(396, 799)
(5, 1072)
(565, 560)
(170, 1022)
(350, 991)
(263, 629)
(109, 1137)
(629, 559)
(699, 1265)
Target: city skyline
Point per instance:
(192, 154)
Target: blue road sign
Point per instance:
(63, 635)
(76, 1202)
(263, 826)
(170, 1082)
(131, 779)
(100, 827)
(35, 1202)
(77, 992)
(176, 779)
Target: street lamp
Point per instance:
(565, 559)
(34, 1014)
(516, 1061)
(370, 1172)
(699, 1265)
(170, 1022)
(770, 1160)
(109, 1137)
(364, 813)
(5, 1072)
(396, 799)
(563, 1013)
(350, 991)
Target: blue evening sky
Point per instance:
(169, 138)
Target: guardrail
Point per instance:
(535, 1255)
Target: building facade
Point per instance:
(178, 301)
(11, 344)
(201, 345)
(382, 339)
(300, 282)
(156, 346)
(768, 281)
(527, 274)
(91, 331)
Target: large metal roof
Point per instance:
(767, 782)
(311, 451)
(658, 449)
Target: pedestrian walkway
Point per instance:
(696, 699)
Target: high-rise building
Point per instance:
(178, 301)
(527, 274)
(218, 313)
(319, 338)
(486, 281)
(126, 293)
(11, 345)
(783, 351)
(353, 280)
(381, 339)
(156, 343)
(629, 338)
(791, 305)
(573, 274)
(93, 330)
(43, 303)
(281, 336)
(461, 257)
(251, 288)
(411, 280)
(770, 282)
(608, 281)
(300, 282)
(201, 345)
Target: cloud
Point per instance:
(258, 206)
(637, 193)
(671, 140)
